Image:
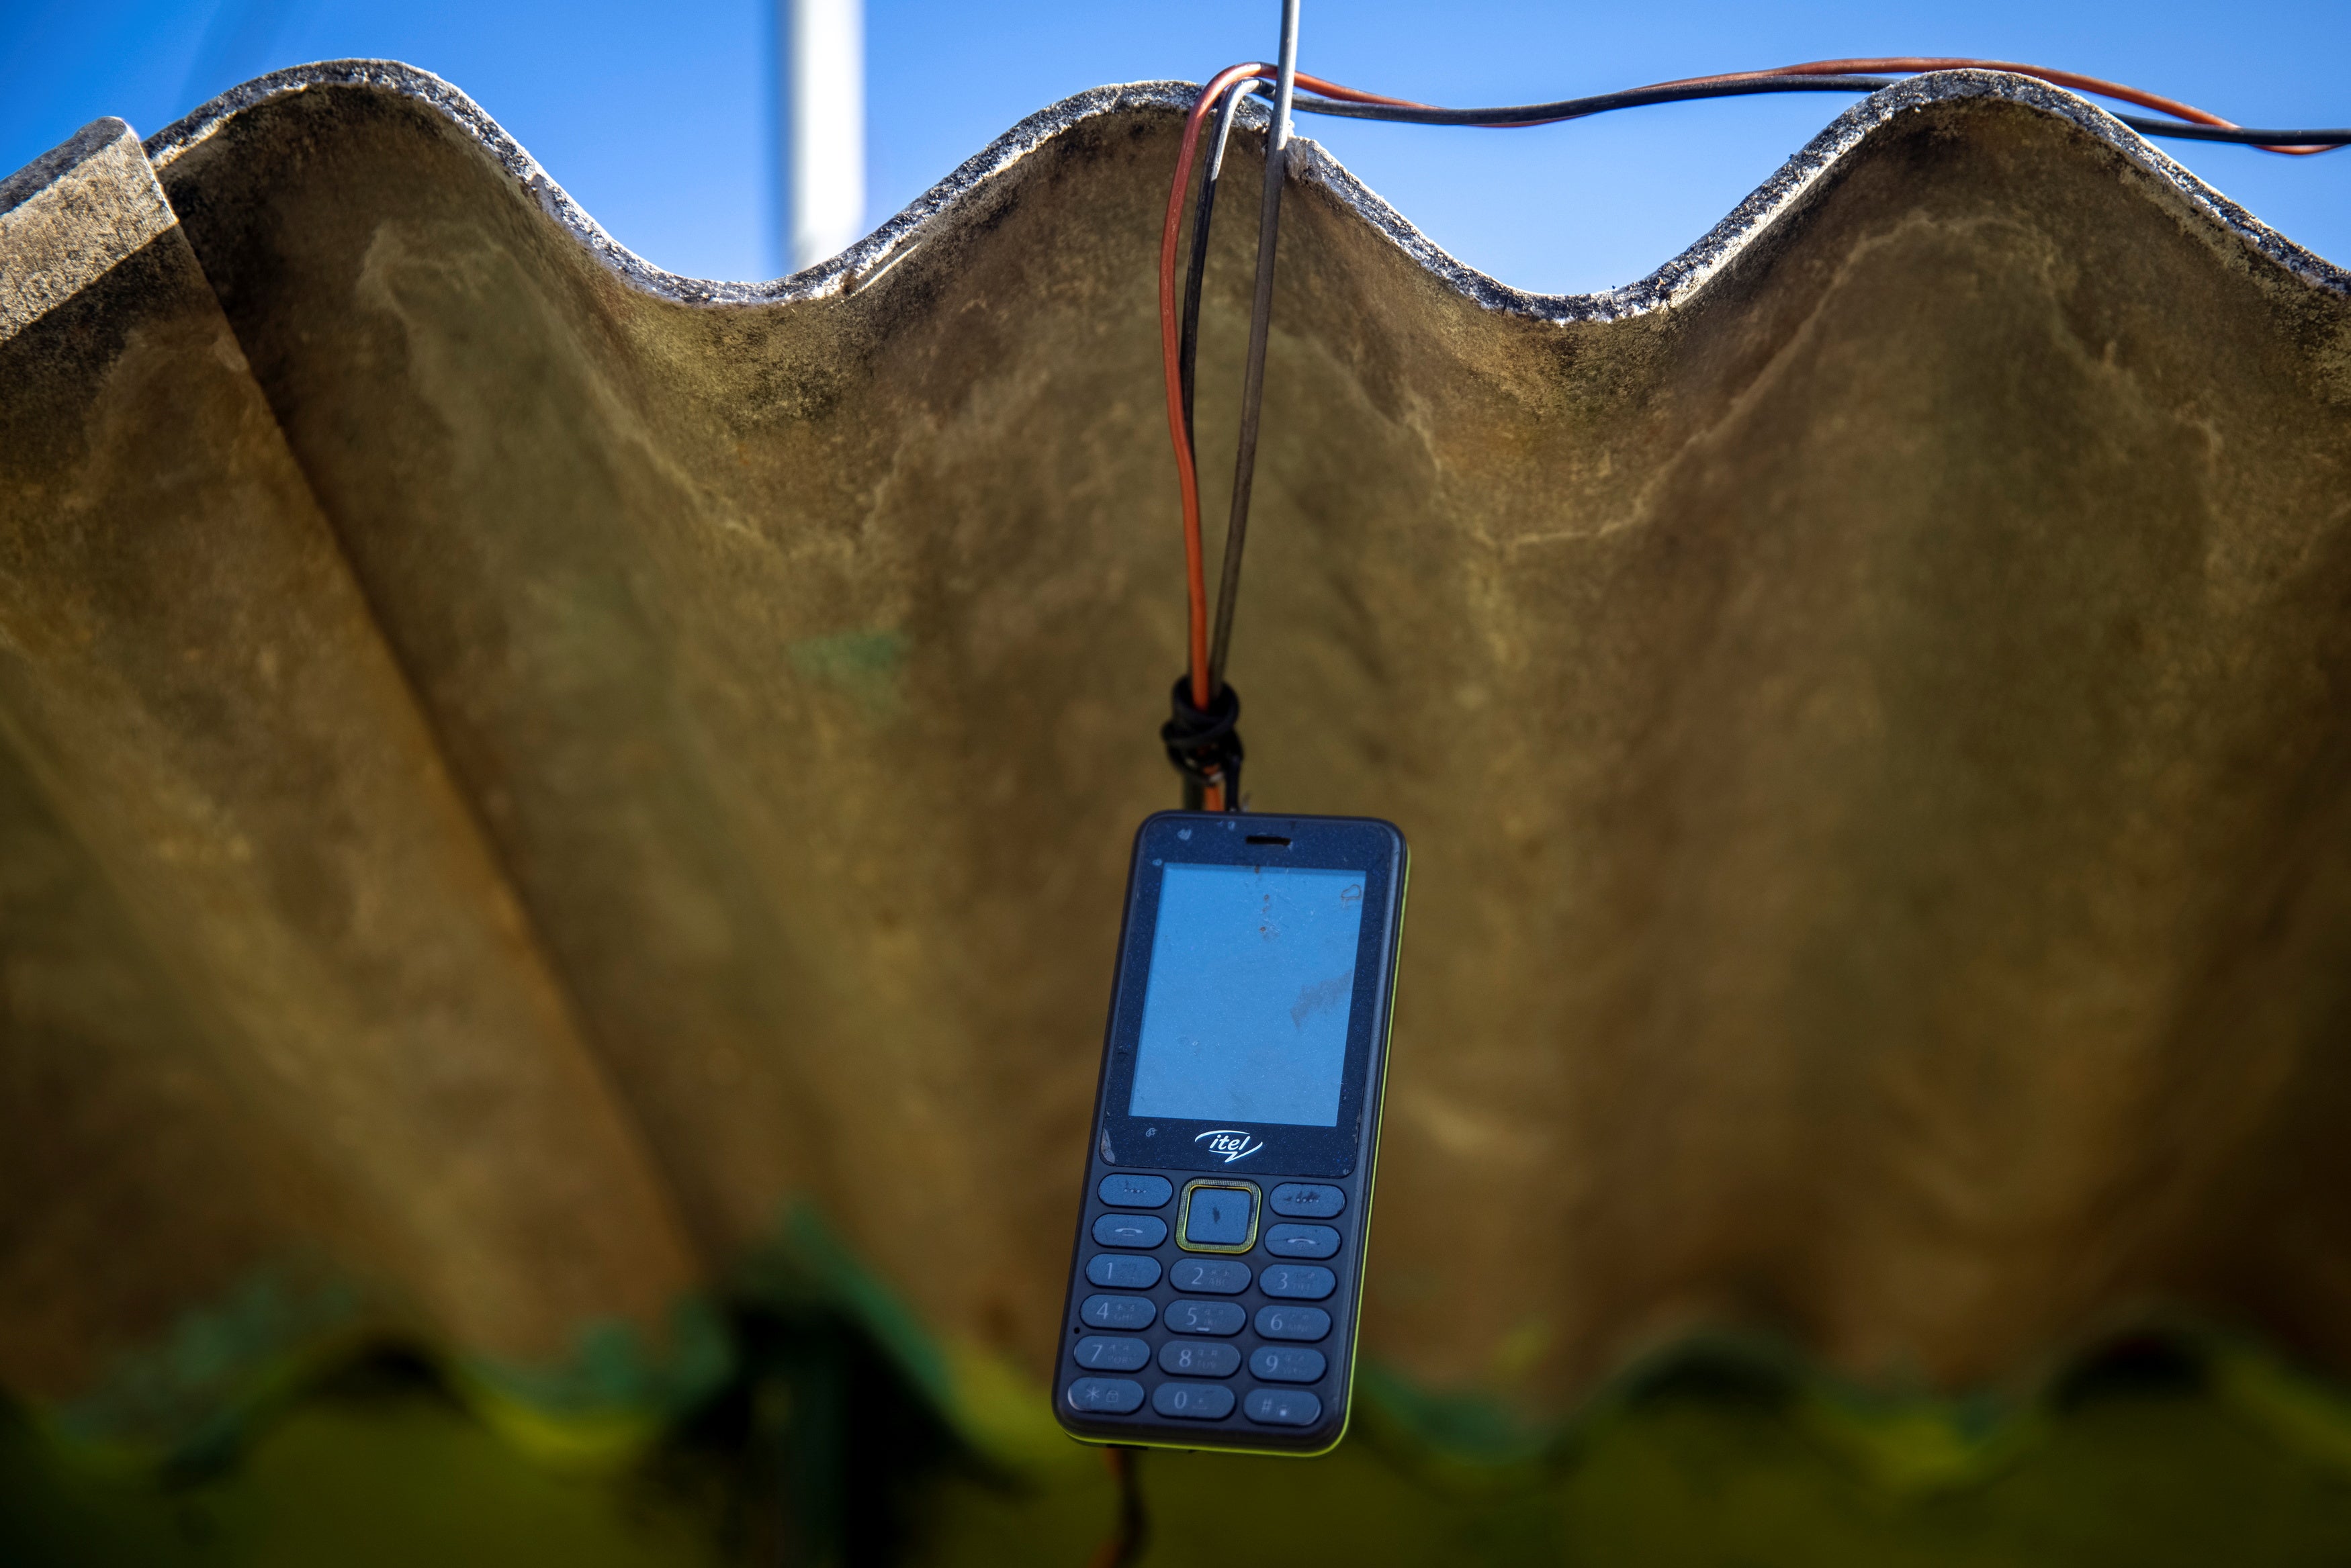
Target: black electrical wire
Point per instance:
(2243, 135)
(1639, 97)
(1277, 168)
(1583, 108)
(1573, 109)
(1132, 1532)
(1202, 211)
(1224, 702)
(1204, 745)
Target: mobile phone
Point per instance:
(1218, 1269)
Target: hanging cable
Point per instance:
(1195, 733)
(1203, 215)
(1201, 734)
(1204, 739)
(1125, 1547)
(1268, 231)
(2189, 122)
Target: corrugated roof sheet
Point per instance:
(519, 767)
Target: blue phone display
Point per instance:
(1252, 980)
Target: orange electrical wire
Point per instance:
(1171, 349)
(1171, 333)
(1187, 479)
(1126, 1540)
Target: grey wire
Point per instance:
(1204, 211)
(1277, 164)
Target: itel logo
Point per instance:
(1231, 1142)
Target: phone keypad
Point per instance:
(1232, 1338)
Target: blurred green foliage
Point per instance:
(2154, 1451)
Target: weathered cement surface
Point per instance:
(71, 214)
(1871, 720)
(269, 1002)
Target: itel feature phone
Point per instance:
(1219, 1258)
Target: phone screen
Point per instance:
(1252, 979)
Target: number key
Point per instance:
(1111, 1355)
(1222, 1318)
(1294, 1322)
(1198, 1359)
(1119, 1311)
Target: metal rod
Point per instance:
(824, 127)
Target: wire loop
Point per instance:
(1205, 745)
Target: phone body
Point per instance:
(1217, 1272)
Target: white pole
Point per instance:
(824, 127)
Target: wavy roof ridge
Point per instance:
(1671, 284)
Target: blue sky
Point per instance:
(659, 118)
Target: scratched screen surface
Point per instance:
(1252, 976)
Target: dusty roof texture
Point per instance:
(519, 769)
